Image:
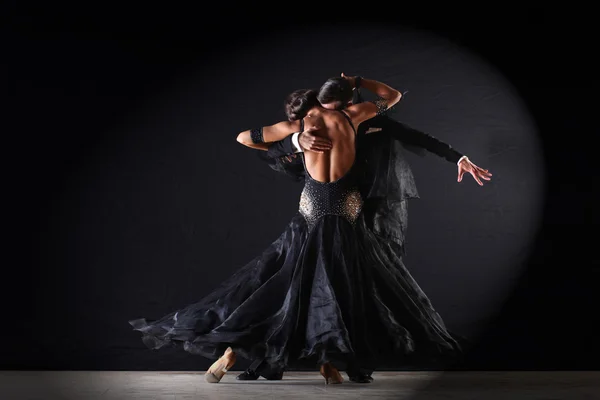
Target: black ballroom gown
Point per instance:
(327, 290)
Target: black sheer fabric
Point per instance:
(328, 289)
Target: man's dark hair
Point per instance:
(335, 90)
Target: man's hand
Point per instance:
(310, 142)
(289, 158)
(465, 165)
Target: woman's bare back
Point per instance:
(331, 165)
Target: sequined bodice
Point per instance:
(339, 197)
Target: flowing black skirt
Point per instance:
(335, 293)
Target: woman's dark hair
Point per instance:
(299, 102)
(335, 90)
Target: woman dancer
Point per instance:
(328, 289)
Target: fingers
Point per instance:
(477, 179)
(289, 157)
(483, 176)
(316, 143)
(320, 147)
(313, 142)
(481, 170)
(475, 171)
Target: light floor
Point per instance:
(177, 385)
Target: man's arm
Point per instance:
(414, 137)
(411, 136)
(405, 133)
(288, 145)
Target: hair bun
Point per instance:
(299, 102)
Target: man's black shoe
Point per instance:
(247, 375)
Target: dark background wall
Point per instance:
(132, 198)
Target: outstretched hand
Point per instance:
(478, 173)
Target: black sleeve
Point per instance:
(294, 169)
(281, 148)
(414, 137)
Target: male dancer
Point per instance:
(387, 178)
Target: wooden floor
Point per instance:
(105, 385)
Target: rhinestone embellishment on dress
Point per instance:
(332, 198)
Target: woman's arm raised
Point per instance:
(387, 97)
(258, 138)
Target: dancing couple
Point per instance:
(332, 289)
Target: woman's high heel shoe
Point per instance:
(331, 374)
(220, 367)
